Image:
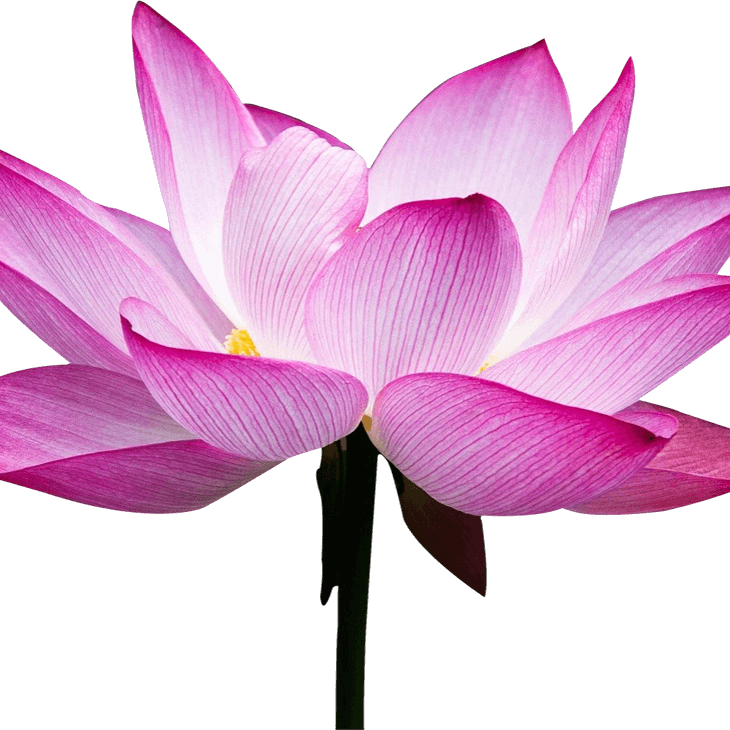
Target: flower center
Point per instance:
(239, 342)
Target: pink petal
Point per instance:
(271, 124)
(666, 274)
(496, 129)
(58, 326)
(198, 130)
(426, 286)
(634, 235)
(82, 264)
(486, 449)
(159, 241)
(291, 205)
(574, 211)
(693, 467)
(610, 363)
(257, 407)
(97, 437)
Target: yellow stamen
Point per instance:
(491, 360)
(239, 342)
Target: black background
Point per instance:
(218, 609)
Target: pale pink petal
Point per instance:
(198, 130)
(496, 129)
(634, 235)
(271, 124)
(58, 326)
(82, 264)
(252, 406)
(97, 437)
(610, 363)
(152, 324)
(159, 241)
(426, 286)
(486, 449)
(574, 211)
(291, 206)
(694, 466)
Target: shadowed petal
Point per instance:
(486, 449)
(610, 363)
(97, 437)
(198, 130)
(271, 124)
(426, 286)
(256, 407)
(291, 206)
(693, 467)
(496, 129)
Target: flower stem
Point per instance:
(347, 484)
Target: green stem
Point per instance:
(347, 484)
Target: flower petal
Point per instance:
(496, 129)
(693, 467)
(426, 286)
(253, 406)
(158, 240)
(636, 234)
(610, 363)
(82, 264)
(58, 326)
(574, 210)
(486, 449)
(290, 207)
(97, 437)
(198, 130)
(271, 124)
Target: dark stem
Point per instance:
(347, 484)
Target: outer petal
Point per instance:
(271, 124)
(82, 264)
(259, 408)
(158, 240)
(98, 437)
(486, 449)
(58, 326)
(608, 364)
(290, 207)
(574, 211)
(198, 130)
(693, 467)
(636, 234)
(426, 286)
(495, 130)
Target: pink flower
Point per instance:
(492, 321)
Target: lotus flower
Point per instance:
(471, 299)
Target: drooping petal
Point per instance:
(486, 449)
(427, 286)
(291, 206)
(271, 124)
(693, 467)
(198, 130)
(158, 240)
(496, 129)
(82, 264)
(97, 437)
(636, 234)
(608, 364)
(58, 326)
(252, 406)
(574, 210)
